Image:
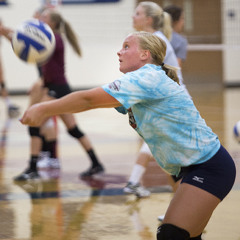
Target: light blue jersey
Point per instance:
(165, 116)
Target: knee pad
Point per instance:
(199, 237)
(171, 232)
(75, 132)
(34, 131)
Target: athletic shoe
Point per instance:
(47, 162)
(49, 174)
(160, 218)
(92, 171)
(136, 189)
(28, 174)
(43, 154)
(13, 111)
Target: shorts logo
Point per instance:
(198, 179)
(115, 85)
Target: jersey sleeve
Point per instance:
(122, 110)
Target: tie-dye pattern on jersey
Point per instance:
(165, 116)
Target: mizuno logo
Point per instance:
(198, 179)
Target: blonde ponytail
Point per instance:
(72, 38)
(167, 26)
(171, 72)
(62, 26)
(161, 20)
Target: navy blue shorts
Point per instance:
(215, 176)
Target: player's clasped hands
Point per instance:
(33, 116)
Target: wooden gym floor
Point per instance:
(61, 206)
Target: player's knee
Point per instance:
(49, 123)
(75, 132)
(34, 131)
(171, 232)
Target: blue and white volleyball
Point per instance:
(236, 131)
(33, 41)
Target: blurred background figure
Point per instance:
(54, 84)
(178, 41)
(46, 139)
(48, 157)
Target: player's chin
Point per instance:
(122, 69)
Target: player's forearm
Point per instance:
(81, 101)
(72, 103)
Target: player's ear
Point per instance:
(145, 54)
(149, 21)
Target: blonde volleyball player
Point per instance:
(164, 115)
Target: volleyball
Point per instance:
(236, 131)
(33, 41)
